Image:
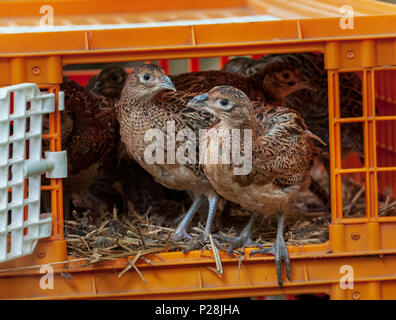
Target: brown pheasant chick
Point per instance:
(90, 134)
(281, 153)
(312, 105)
(109, 82)
(271, 84)
(239, 64)
(139, 110)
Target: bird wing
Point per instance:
(94, 126)
(203, 81)
(283, 148)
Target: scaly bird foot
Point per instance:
(279, 250)
(241, 241)
(181, 235)
(181, 230)
(198, 243)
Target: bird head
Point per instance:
(110, 81)
(147, 80)
(283, 78)
(228, 104)
(239, 65)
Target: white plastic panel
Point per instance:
(19, 236)
(154, 24)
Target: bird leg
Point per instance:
(243, 240)
(181, 232)
(203, 238)
(180, 217)
(279, 250)
(213, 201)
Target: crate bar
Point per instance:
(385, 118)
(349, 120)
(179, 52)
(194, 65)
(309, 275)
(354, 221)
(213, 35)
(165, 65)
(368, 93)
(56, 184)
(361, 119)
(103, 56)
(363, 170)
(335, 145)
(67, 7)
(49, 187)
(223, 61)
(48, 136)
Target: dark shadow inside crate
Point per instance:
(353, 195)
(386, 182)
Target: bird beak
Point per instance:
(314, 136)
(166, 83)
(307, 84)
(200, 102)
(96, 86)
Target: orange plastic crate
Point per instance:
(147, 31)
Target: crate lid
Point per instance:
(86, 27)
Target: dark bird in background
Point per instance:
(271, 84)
(89, 135)
(109, 82)
(120, 181)
(282, 156)
(313, 104)
(239, 65)
(103, 195)
(138, 110)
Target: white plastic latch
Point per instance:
(54, 165)
(57, 164)
(61, 101)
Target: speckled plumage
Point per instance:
(313, 105)
(270, 85)
(137, 119)
(139, 110)
(282, 156)
(120, 181)
(89, 134)
(94, 131)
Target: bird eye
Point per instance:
(224, 102)
(146, 77)
(285, 75)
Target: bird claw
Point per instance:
(197, 243)
(182, 235)
(241, 241)
(279, 250)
